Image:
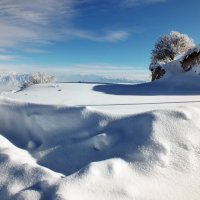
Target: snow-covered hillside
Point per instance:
(11, 81)
(102, 141)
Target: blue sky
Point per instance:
(120, 33)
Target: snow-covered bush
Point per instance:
(169, 46)
(38, 78)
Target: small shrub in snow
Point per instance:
(38, 78)
(169, 46)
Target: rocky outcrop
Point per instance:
(157, 73)
(191, 59)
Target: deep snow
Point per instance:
(102, 141)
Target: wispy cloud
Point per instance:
(132, 3)
(35, 50)
(28, 24)
(30, 21)
(4, 57)
(104, 36)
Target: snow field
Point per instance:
(102, 141)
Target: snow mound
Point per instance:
(59, 152)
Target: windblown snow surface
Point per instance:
(80, 152)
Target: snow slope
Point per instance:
(102, 141)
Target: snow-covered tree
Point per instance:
(38, 78)
(169, 46)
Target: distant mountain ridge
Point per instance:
(13, 81)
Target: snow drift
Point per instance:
(58, 152)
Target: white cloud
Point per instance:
(35, 50)
(37, 11)
(27, 24)
(4, 57)
(132, 3)
(106, 36)
(114, 36)
(30, 21)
